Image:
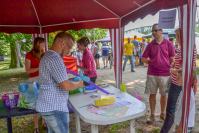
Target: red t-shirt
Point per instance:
(34, 63)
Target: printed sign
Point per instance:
(167, 19)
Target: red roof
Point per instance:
(33, 16)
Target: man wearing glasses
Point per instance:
(158, 55)
(52, 102)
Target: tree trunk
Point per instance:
(18, 52)
(15, 60)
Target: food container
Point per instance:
(10, 100)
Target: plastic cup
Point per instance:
(123, 87)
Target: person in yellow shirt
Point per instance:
(128, 53)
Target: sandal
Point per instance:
(162, 116)
(151, 119)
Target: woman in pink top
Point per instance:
(88, 62)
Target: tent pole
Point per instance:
(148, 3)
(40, 26)
(46, 41)
(79, 22)
(107, 8)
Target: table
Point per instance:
(8, 114)
(80, 103)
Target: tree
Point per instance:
(13, 44)
(92, 34)
(15, 41)
(5, 49)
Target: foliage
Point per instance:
(14, 41)
(25, 40)
(5, 49)
(9, 42)
(26, 43)
(92, 34)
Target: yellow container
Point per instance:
(105, 100)
(123, 87)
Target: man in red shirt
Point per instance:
(158, 55)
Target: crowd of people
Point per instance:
(164, 75)
(103, 52)
(133, 51)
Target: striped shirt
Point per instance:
(51, 72)
(177, 64)
(89, 64)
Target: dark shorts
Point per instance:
(97, 56)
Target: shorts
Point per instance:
(97, 56)
(105, 57)
(153, 83)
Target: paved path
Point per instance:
(135, 82)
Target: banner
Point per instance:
(167, 19)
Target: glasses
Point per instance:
(156, 30)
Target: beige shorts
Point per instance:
(153, 83)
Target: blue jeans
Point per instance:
(57, 121)
(132, 61)
(174, 92)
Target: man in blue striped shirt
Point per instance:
(54, 85)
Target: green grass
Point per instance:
(119, 127)
(4, 65)
(10, 78)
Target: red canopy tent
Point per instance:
(44, 16)
(36, 16)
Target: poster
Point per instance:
(167, 19)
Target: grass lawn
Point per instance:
(10, 78)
